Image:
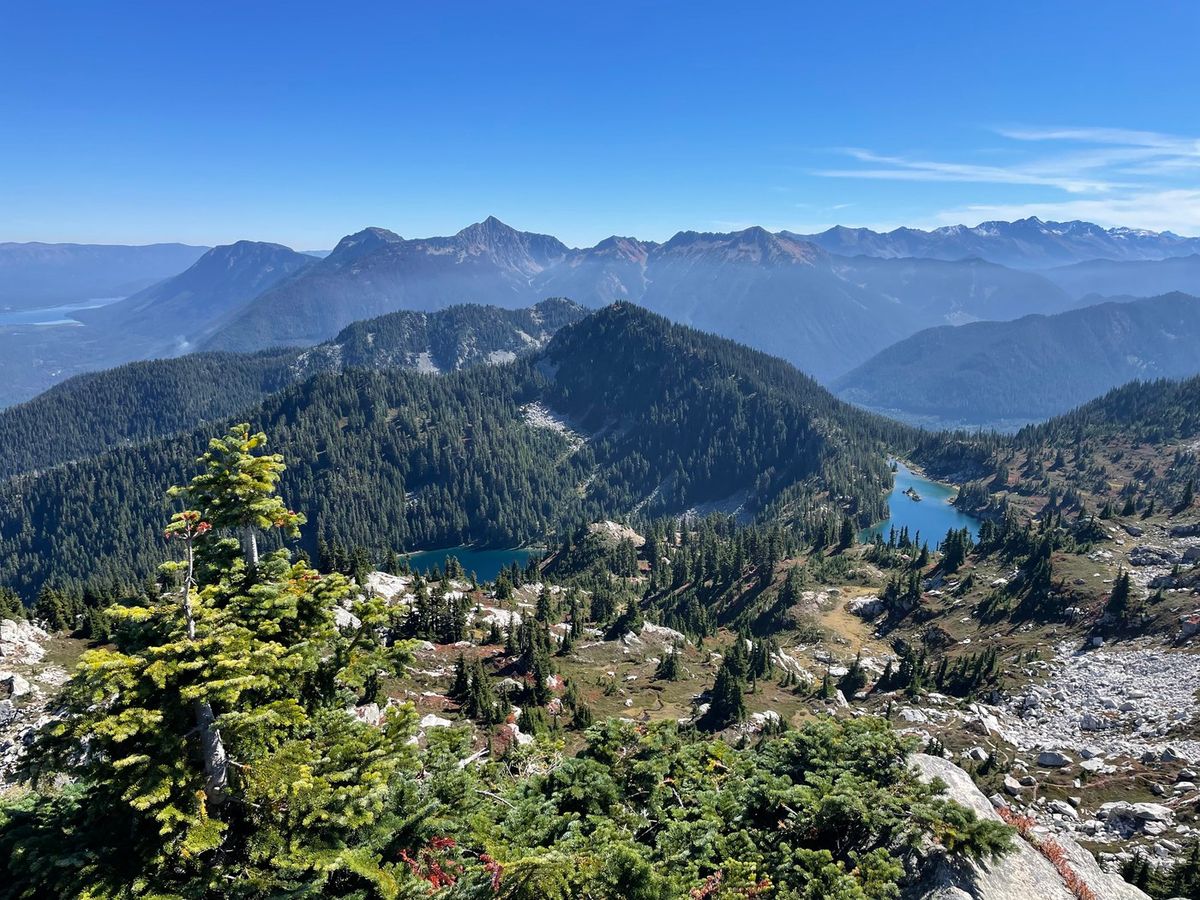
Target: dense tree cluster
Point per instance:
(91, 414)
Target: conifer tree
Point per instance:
(726, 706)
(237, 490)
(668, 666)
(11, 606)
(211, 745)
(1118, 600)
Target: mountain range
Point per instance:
(1011, 373)
(1026, 243)
(774, 292)
(797, 297)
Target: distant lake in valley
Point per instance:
(486, 564)
(932, 515)
(53, 315)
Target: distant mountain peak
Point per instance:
(523, 251)
(245, 247)
(750, 245)
(355, 246)
(490, 233)
(623, 247)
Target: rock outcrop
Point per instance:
(28, 684)
(1022, 873)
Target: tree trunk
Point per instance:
(250, 548)
(212, 748)
(216, 764)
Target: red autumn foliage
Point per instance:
(494, 869)
(432, 865)
(710, 886)
(713, 883)
(1053, 852)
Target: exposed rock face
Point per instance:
(1023, 873)
(19, 642)
(614, 532)
(26, 687)
(867, 607)
(1153, 556)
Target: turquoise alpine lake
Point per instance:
(932, 515)
(486, 564)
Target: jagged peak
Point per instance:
(524, 251)
(490, 225)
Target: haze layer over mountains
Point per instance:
(852, 307)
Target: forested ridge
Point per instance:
(92, 413)
(1152, 411)
(1033, 367)
(402, 460)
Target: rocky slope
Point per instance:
(1024, 872)
(29, 677)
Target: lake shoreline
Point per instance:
(932, 516)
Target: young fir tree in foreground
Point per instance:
(209, 749)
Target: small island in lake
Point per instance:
(912, 495)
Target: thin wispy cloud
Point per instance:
(900, 168)
(1112, 176)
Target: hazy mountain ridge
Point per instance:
(1138, 278)
(987, 373)
(40, 274)
(956, 292)
(1024, 243)
(166, 319)
(100, 411)
(173, 316)
(775, 292)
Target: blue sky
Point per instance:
(298, 123)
